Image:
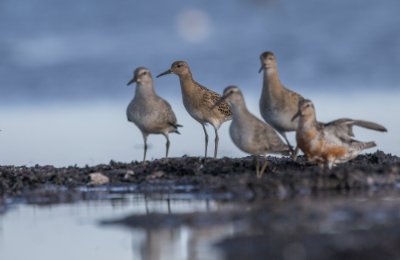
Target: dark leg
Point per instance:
(145, 147)
(216, 142)
(295, 152)
(206, 140)
(166, 146)
(257, 166)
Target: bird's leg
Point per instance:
(295, 152)
(257, 167)
(166, 145)
(330, 163)
(216, 142)
(264, 167)
(322, 164)
(145, 148)
(206, 140)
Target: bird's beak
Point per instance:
(261, 68)
(222, 99)
(164, 73)
(131, 81)
(296, 115)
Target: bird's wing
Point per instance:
(265, 135)
(343, 127)
(166, 112)
(210, 97)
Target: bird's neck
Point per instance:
(272, 83)
(187, 83)
(239, 109)
(145, 90)
(308, 122)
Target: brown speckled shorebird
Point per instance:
(249, 133)
(331, 143)
(277, 103)
(149, 112)
(198, 101)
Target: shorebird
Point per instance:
(277, 103)
(149, 112)
(331, 143)
(198, 101)
(250, 134)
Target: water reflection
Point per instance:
(183, 243)
(270, 228)
(46, 230)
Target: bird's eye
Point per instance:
(179, 65)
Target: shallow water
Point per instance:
(72, 230)
(330, 224)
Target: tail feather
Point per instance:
(175, 125)
(362, 145)
(370, 125)
(369, 145)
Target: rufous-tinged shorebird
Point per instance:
(250, 134)
(149, 112)
(277, 103)
(198, 101)
(331, 143)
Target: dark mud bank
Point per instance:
(295, 211)
(235, 178)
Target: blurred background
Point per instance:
(64, 66)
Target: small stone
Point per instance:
(155, 175)
(370, 181)
(98, 178)
(128, 174)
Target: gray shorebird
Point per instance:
(198, 101)
(149, 112)
(331, 143)
(277, 103)
(250, 134)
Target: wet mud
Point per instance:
(295, 211)
(232, 178)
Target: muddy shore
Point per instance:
(232, 177)
(295, 211)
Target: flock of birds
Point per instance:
(283, 110)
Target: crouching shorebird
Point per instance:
(331, 143)
(199, 100)
(277, 103)
(249, 133)
(149, 112)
